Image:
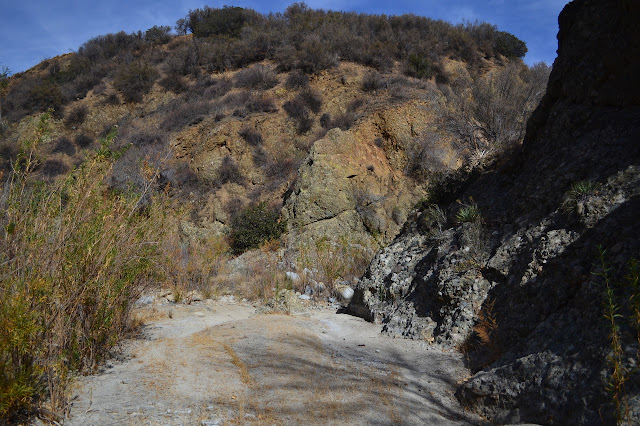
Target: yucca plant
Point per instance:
(583, 187)
(468, 213)
(579, 191)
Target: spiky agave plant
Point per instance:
(468, 213)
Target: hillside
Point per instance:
(247, 154)
(231, 114)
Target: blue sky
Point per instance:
(34, 30)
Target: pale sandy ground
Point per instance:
(223, 364)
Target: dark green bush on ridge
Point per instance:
(158, 34)
(253, 226)
(227, 21)
(509, 45)
(44, 96)
(135, 80)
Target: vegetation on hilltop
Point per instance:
(231, 37)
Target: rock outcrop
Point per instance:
(518, 288)
(346, 186)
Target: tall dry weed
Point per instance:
(74, 256)
(621, 310)
(195, 264)
(331, 261)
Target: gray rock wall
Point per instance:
(518, 290)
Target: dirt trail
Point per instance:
(222, 364)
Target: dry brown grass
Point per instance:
(487, 326)
(195, 264)
(242, 368)
(484, 338)
(332, 261)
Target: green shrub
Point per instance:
(314, 56)
(182, 61)
(579, 192)
(135, 80)
(45, 96)
(420, 67)
(582, 188)
(621, 310)
(104, 47)
(433, 219)
(253, 226)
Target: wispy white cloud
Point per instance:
(460, 14)
(553, 6)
